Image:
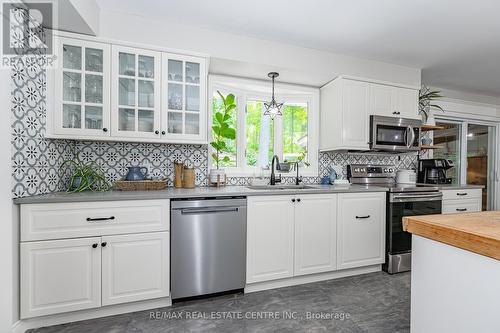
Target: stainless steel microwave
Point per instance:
(394, 134)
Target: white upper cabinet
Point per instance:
(110, 92)
(393, 101)
(344, 115)
(81, 96)
(135, 93)
(346, 106)
(184, 98)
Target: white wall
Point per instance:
(8, 264)
(250, 57)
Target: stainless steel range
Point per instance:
(402, 200)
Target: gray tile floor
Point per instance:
(375, 302)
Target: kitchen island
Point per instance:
(455, 281)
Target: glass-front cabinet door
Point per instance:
(82, 86)
(184, 112)
(135, 93)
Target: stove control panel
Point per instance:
(370, 171)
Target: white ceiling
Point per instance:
(455, 42)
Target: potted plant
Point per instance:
(222, 131)
(425, 103)
(85, 176)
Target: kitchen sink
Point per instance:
(280, 187)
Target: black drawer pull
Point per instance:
(396, 112)
(363, 217)
(461, 209)
(103, 244)
(462, 193)
(94, 245)
(90, 219)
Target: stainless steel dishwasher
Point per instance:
(208, 246)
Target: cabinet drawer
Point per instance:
(461, 206)
(461, 194)
(83, 219)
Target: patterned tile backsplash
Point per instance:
(36, 161)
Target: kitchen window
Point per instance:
(292, 136)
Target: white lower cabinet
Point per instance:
(270, 232)
(75, 273)
(60, 276)
(315, 233)
(296, 235)
(135, 267)
(462, 201)
(360, 229)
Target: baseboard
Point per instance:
(296, 280)
(22, 325)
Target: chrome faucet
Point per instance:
(297, 179)
(273, 176)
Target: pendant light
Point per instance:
(273, 109)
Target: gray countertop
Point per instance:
(171, 193)
(455, 186)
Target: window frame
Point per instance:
(250, 89)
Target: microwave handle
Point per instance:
(410, 136)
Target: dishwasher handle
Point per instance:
(208, 210)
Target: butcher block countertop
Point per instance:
(476, 232)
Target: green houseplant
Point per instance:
(222, 131)
(85, 176)
(426, 100)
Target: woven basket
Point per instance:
(140, 185)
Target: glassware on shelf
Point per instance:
(175, 96)
(145, 121)
(126, 92)
(72, 116)
(192, 72)
(72, 86)
(93, 117)
(175, 122)
(126, 119)
(146, 94)
(126, 64)
(93, 88)
(146, 66)
(72, 57)
(175, 70)
(192, 123)
(93, 60)
(192, 98)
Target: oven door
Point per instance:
(407, 204)
(394, 134)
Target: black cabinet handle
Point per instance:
(298, 200)
(103, 244)
(90, 219)
(293, 200)
(163, 132)
(396, 112)
(363, 217)
(461, 209)
(104, 129)
(464, 193)
(157, 132)
(94, 245)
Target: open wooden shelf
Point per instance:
(431, 146)
(425, 128)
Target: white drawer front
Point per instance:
(83, 219)
(461, 206)
(461, 194)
